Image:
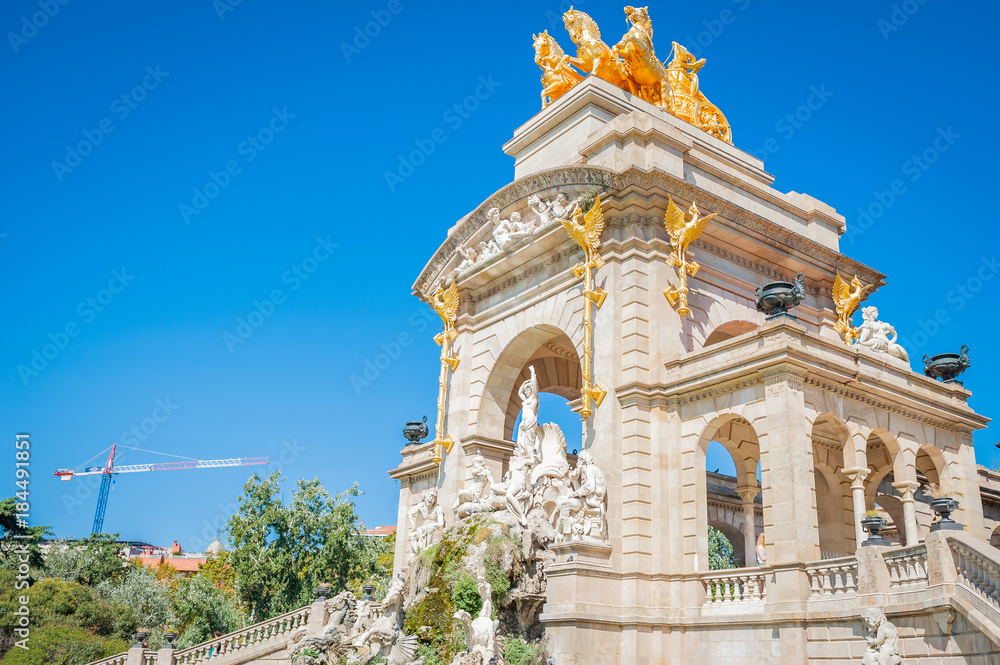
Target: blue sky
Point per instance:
(185, 164)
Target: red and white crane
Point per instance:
(109, 469)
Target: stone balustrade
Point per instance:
(245, 639)
(738, 585)
(833, 577)
(117, 659)
(979, 573)
(907, 566)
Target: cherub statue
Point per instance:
(432, 519)
(581, 512)
(478, 493)
(882, 638)
(879, 336)
(469, 258)
(563, 208)
(487, 249)
(542, 209)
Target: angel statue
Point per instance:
(879, 336)
(846, 301)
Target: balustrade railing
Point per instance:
(243, 639)
(907, 566)
(117, 659)
(738, 585)
(833, 577)
(977, 572)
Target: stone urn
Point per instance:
(322, 591)
(369, 589)
(947, 366)
(170, 637)
(944, 506)
(776, 298)
(873, 525)
(139, 638)
(415, 430)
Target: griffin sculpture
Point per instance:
(847, 301)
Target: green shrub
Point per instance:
(519, 652)
(466, 595)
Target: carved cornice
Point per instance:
(870, 400)
(615, 183)
(535, 267)
(652, 396)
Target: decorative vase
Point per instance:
(415, 430)
(873, 525)
(947, 366)
(944, 506)
(776, 298)
(322, 591)
(139, 638)
(368, 589)
(170, 637)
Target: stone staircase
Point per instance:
(943, 594)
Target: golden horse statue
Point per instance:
(592, 55)
(687, 101)
(557, 74)
(636, 50)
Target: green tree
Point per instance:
(97, 559)
(720, 551)
(280, 553)
(14, 537)
(143, 601)
(201, 609)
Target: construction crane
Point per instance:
(109, 469)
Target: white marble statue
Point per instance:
(469, 259)
(879, 336)
(481, 634)
(563, 208)
(527, 431)
(431, 520)
(542, 209)
(507, 232)
(882, 638)
(478, 494)
(385, 637)
(487, 249)
(581, 513)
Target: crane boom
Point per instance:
(109, 469)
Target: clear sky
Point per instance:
(172, 167)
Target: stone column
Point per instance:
(787, 471)
(906, 488)
(857, 477)
(748, 494)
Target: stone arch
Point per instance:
(931, 464)
(995, 538)
(734, 535)
(728, 330)
(554, 356)
(882, 452)
(558, 371)
(833, 452)
(734, 433)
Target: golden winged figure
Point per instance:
(445, 303)
(586, 228)
(846, 302)
(683, 233)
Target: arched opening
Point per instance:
(995, 538)
(834, 506)
(553, 355)
(881, 450)
(728, 330)
(731, 513)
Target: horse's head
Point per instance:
(545, 45)
(580, 26)
(640, 16)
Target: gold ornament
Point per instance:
(682, 234)
(445, 303)
(557, 75)
(847, 302)
(631, 65)
(586, 229)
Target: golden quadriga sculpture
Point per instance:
(631, 65)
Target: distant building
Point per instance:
(381, 531)
(185, 563)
